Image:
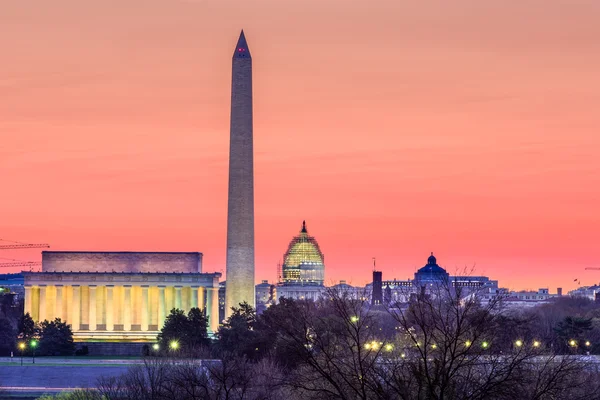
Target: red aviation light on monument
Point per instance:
(242, 50)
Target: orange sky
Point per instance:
(469, 128)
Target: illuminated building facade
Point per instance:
(119, 296)
(303, 262)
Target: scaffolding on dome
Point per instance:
(303, 262)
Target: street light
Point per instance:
(33, 344)
(174, 345)
(536, 344)
(354, 319)
(468, 343)
(519, 343)
(389, 347)
(22, 348)
(155, 347)
(485, 345)
(572, 343)
(587, 343)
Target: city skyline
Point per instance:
(412, 131)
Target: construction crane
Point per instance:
(15, 264)
(13, 245)
(19, 245)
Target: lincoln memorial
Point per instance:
(119, 296)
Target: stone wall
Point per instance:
(114, 349)
(71, 261)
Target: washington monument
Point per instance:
(240, 208)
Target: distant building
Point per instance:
(431, 273)
(352, 292)
(377, 297)
(303, 262)
(13, 283)
(523, 299)
(427, 277)
(591, 292)
(265, 295)
(299, 292)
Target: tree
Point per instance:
(167, 379)
(237, 335)
(56, 338)
(271, 338)
(6, 301)
(7, 336)
(448, 345)
(198, 329)
(573, 329)
(190, 332)
(27, 327)
(174, 328)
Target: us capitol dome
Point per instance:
(303, 262)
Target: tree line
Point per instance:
(441, 344)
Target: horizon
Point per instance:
(394, 134)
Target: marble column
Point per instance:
(92, 320)
(178, 297)
(127, 308)
(194, 297)
(110, 312)
(145, 308)
(58, 302)
(42, 303)
(162, 305)
(28, 300)
(201, 306)
(76, 309)
(212, 308)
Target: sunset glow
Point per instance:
(470, 129)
